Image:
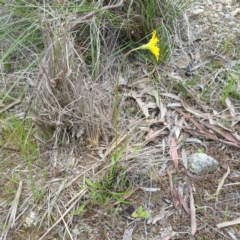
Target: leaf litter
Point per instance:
(148, 150)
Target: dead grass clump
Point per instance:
(66, 101)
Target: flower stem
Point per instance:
(116, 110)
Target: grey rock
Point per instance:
(201, 163)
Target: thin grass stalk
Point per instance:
(116, 110)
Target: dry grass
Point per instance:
(70, 99)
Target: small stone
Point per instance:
(201, 163)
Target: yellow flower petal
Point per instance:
(152, 45)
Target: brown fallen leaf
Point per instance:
(207, 115)
(201, 132)
(223, 132)
(174, 193)
(184, 204)
(177, 198)
(210, 136)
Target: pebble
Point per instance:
(201, 163)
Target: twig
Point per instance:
(70, 235)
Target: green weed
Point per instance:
(110, 187)
(231, 89)
(140, 213)
(79, 211)
(201, 150)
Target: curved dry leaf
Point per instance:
(193, 110)
(228, 223)
(222, 181)
(223, 132)
(209, 135)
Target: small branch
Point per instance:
(89, 15)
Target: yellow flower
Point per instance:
(152, 45)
